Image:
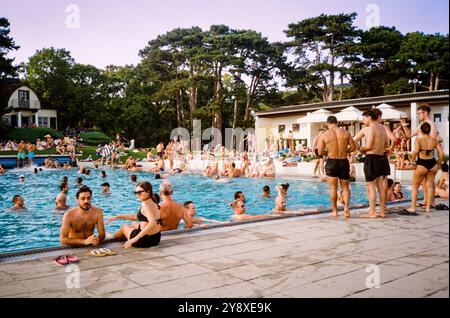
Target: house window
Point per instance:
(437, 118)
(296, 128)
(281, 129)
(24, 98)
(43, 122)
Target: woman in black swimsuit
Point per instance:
(147, 231)
(427, 166)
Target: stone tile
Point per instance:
(166, 261)
(59, 283)
(440, 294)
(189, 285)
(101, 262)
(262, 254)
(386, 254)
(221, 242)
(238, 290)
(423, 283)
(285, 263)
(109, 285)
(68, 293)
(5, 278)
(247, 272)
(383, 292)
(428, 258)
(138, 292)
(15, 288)
(158, 275)
(393, 270)
(281, 281)
(221, 263)
(443, 266)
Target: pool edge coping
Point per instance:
(290, 214)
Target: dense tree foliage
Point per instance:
(221, 75)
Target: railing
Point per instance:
(20, 103)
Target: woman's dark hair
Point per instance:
(147, 187)
(156, 198)
(425, 128)
(63, 185)
(390, 182)
(285, 187)
(266, 188)
(157, 176)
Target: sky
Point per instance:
(103, 32)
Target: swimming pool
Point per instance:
(38, 226)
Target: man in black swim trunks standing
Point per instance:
(338, 143)
(376, 163)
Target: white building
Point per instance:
(26, 109)
(270, 124)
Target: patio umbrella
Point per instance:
(319, 116)
(349, 114)
(389, 112)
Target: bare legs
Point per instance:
(345, 185)
(377, 185)
(124, 232)
(333, 183)
(429, 185)
(418, 177)
(319, 164)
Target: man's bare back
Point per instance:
(337, 141)
(171, 214)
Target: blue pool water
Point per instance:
(39, 225)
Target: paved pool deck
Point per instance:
(316, 256)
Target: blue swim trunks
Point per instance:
(31, 155)
(21, 155)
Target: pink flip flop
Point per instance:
(72, 258)
(62, 260)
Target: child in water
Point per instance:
(280, 201)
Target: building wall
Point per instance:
(34, 100)
(264, 126)
(41, 117)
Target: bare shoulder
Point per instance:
(97, 211)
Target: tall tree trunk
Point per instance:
(192, 103)
(192, 96)
(436, 82)
(235, 111)
(331, 92)
(341, 90)
(250, 96)
(217, 117)
(430, 88)
(180, 115)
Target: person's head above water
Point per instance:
(84, 198)
(166, 189)
(238, 206)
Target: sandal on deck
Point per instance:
(406, 212)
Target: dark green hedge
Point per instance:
(93, 138)
(32, 134)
